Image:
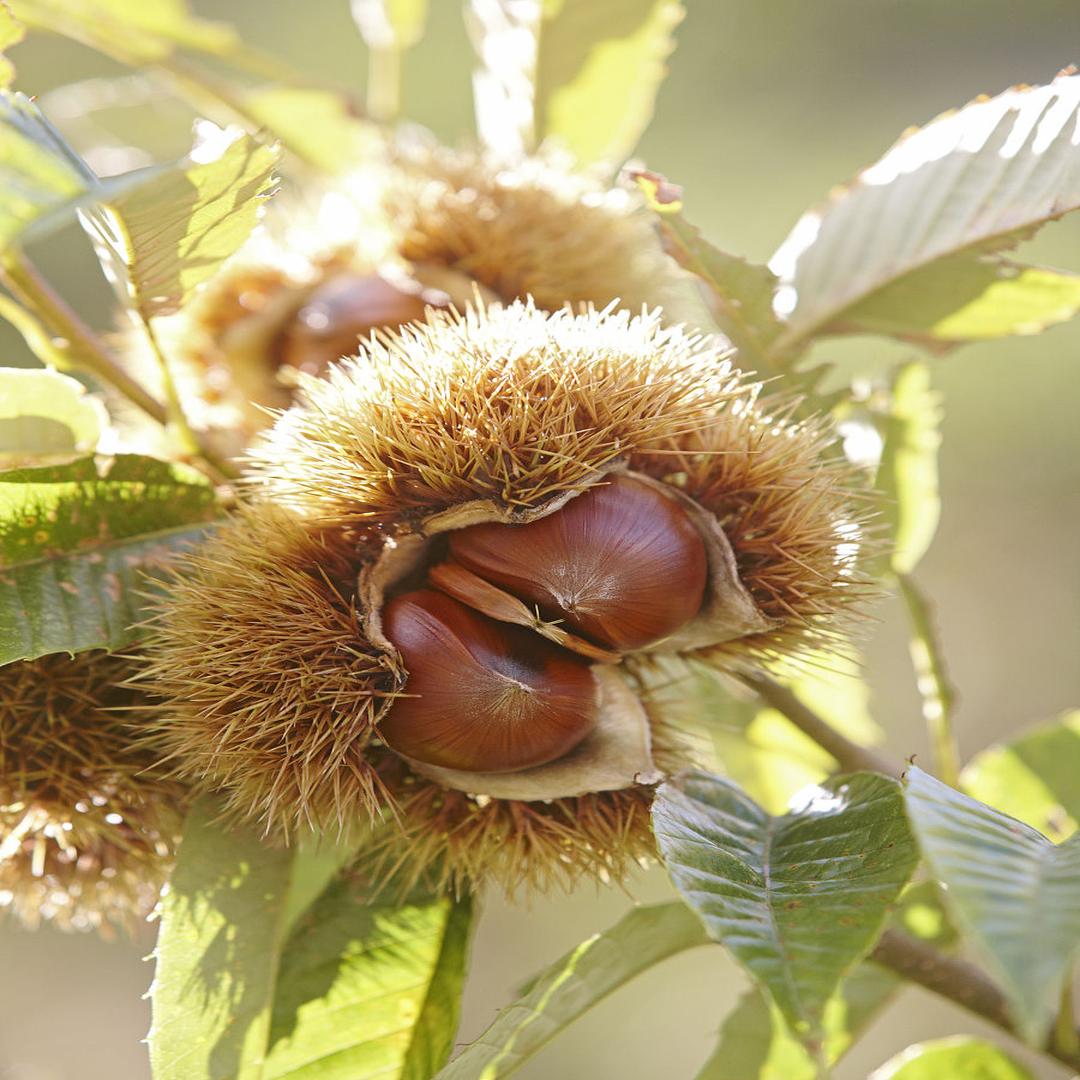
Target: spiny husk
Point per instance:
(271, 690)
(273, 675)
(87, 824)
(458, 841)
(534, 228)
(451, 221)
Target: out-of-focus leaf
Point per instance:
(1013, 890)
(797, 899)
(142, 30)
(268, 966)
(11, 33)
(45, 413)
(756, 1042)
(369, 989)
(38, 172)
(970, 183)
(316, 125)
(160, 239)
(908, 473)
(958, 1058)
(585, 72)
(390, 24)
(1033, 777)
(120, 124)
(561, 993)
(741, 292)
(967, 298)
(76, 542)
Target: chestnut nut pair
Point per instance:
(616, 569)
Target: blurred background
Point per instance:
(767, 106)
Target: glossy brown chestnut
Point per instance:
(342, 311)
(482, 696)
(621, 564)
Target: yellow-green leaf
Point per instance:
(1033, 777)
(908, 473)
(45, 413)
(973, 181)
(967, 298)
(162, 238)
(390, 24)
(11, 33)
(584, 72)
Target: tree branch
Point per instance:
(849, 755)
(912, 959)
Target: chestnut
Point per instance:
(622, 563)
(481, 695)
(342, 311)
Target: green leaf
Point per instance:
(970, 183)
(1011, 888)
(757, 1044)
(268, 967)
(797, 899)
(588, 78)
(390, 24)
(1033, 777)
(45, 413)
(143, 31)
(38, 172)
(76, 542)
(160, 239)
(958, 1058)
(967, 298)
(908, 473)
(11, 33)
(316, 125)
(741, 292)
(573, 984)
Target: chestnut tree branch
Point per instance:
(957, 980)
(849, 755)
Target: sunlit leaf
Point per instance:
(958, 1058)
(561, 993)
(11, 33)
(971, 182)
(143, 30)
(76, 544)
(797, 899)
(1011, 888)
(1033, 777)
(160, 239)
(967, 298)
(269, 966)
(390, 24)
(585, 72)
(908, 473)
(741, 292)
(38, 173)
(756, 1042)
(316, 125)
(45, 413)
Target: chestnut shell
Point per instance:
(481, 695)
(621, 564)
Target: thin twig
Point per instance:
(849, 755)
(912, 959)
(961, 982)
(82, 349)
(932, 680)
